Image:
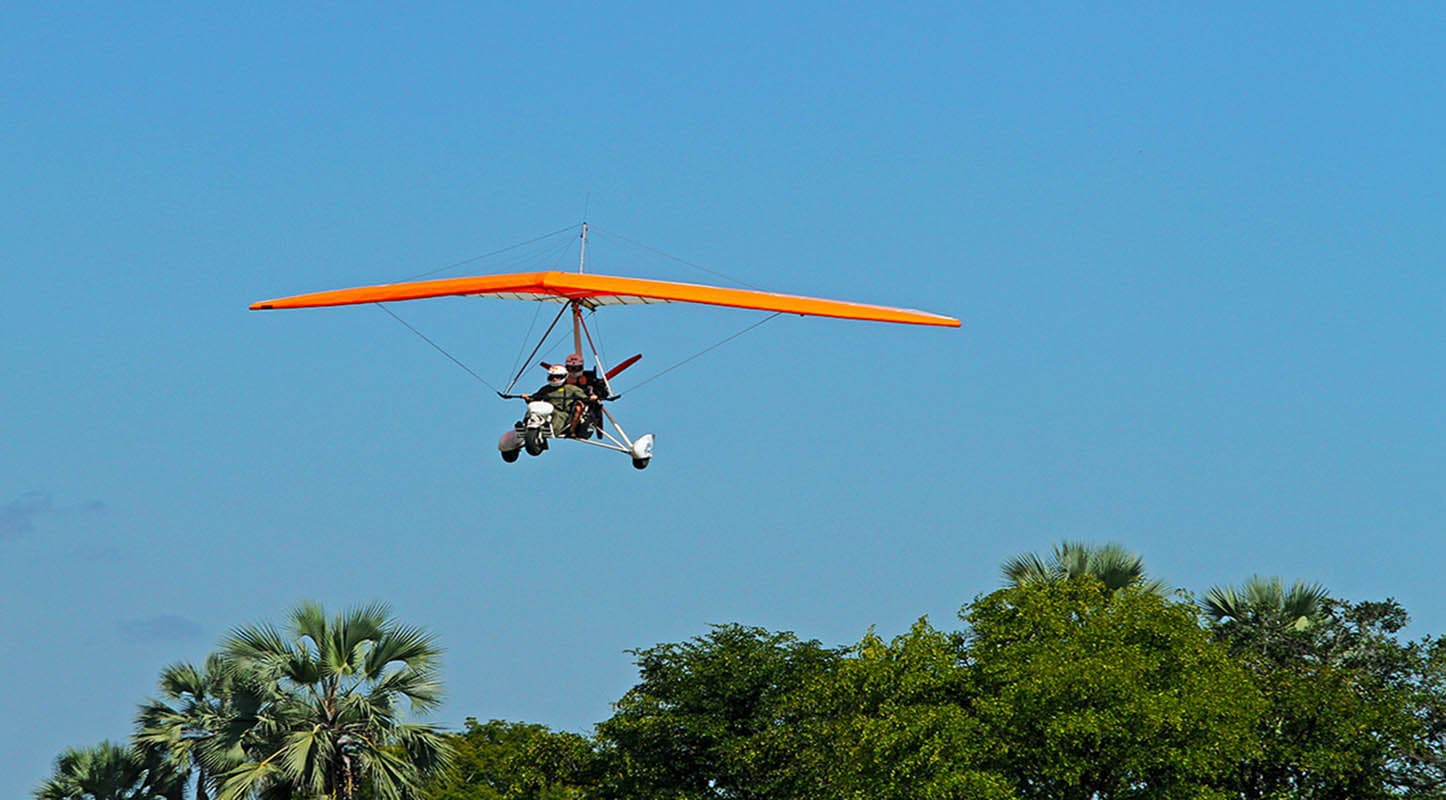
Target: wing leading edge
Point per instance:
(600, 290)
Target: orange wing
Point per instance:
(603, 290)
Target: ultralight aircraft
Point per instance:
(587, 421)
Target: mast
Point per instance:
(576, 305)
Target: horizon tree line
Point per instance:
(1083, 677)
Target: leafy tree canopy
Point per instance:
(700, 721)
(499, 760)
(1089, 693)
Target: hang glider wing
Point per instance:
(604, 290)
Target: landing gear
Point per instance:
(642, 451)
(532, 440)
(510, 455)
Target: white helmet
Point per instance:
(556, 373)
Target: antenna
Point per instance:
(582, 252)
(576, 305)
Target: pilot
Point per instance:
(561, 394)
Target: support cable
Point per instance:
(706, 350)
(435, 346)
(540, 342)
(679, 260)
(491, 254)
(527, 337)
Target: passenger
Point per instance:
(575, 374)
(561, 394)
(587, 381)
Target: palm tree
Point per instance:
(199, 704)
(110, 771)
(1111, 564)
(1264, 602)
(332, 722)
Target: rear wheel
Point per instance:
(532, 440)
(641, 463)
(510, 455)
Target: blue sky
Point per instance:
(1198, 257)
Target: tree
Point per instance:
(1349, 710)
(1090, 693)
(1111, 564)
(1418, 765)
(1266, 603)
(500, 760)
(701, 721)
(331, 722)
(892, 721)
(110, 771)
(185, 726)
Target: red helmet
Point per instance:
(574, 360)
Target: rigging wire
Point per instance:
(704, 351)
(607, 233)
(592, 315)
(543, 260)
(535, 259)
(593, 312)
(527, 337)
(491, 254)
(545, 336)
(435, 346)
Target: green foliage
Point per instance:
(185, 729)
(328, 722)
(1111, 564)
(110, 771)
(1265, 603)
(1418, 764)
(891, 722)
(515, 761)
(1088, 693)
(701, 722)
(1079, 681)
(1348, 707)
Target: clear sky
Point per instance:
(1198, 256)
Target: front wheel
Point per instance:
(532, 440)
(641, 463)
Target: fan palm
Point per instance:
(1265, 602)
(110, 771)
(1111, 564)
(199, 705)
(332, 721)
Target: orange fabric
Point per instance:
(594, 290)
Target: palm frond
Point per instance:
(408, 645)
(1072, 559)
(260, 646)
(1223, 603)
(305, 759)
(329, 692)
(1264, 601)
(308, 621)
(420, 686)
(1112, 564)
(247, 779)
(1027, 569)
(426, 747)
